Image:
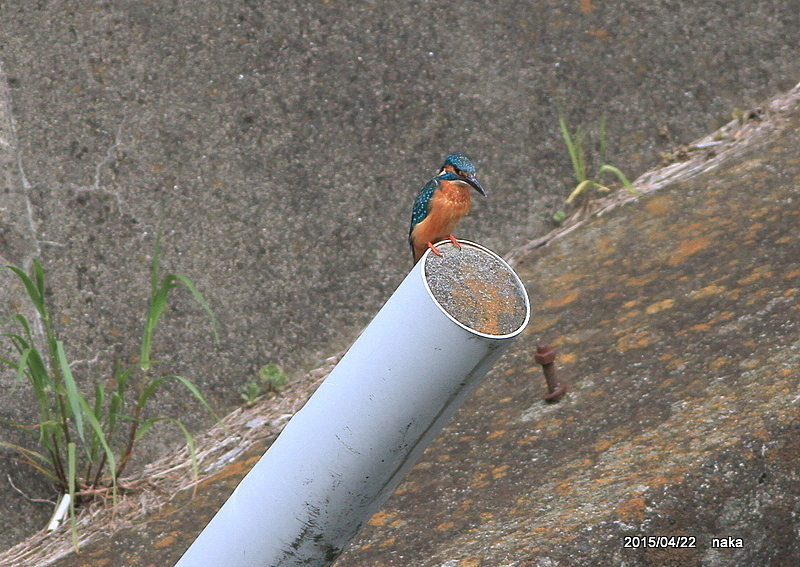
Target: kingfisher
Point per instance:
(441, 203)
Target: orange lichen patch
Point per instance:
(692, 229)
(470, 562)
(562, 300)
(750, 363)
(563, 488)
(707, 291)
(667, 383)
(565, 279)
(586, 6)
(598, 33)
(640, 280)
(409, 485)
(700, 327)
(381, 518)
(633, 509)
(762, 434)
(630, 314)
(719, 362)
(631, 303)
(539, 324)
(551, 425)
(500, 472)
(567, 358)
(605, 245)
(687, 248)
(236, 468)
(723, 316)
(166, 540)
(634, 340)
(444, 526)
(497, 433)
(660, 205)
(479, 481)
(758, 273)
(388, 542)
(602, 445)
(659, 306)
(757, 296)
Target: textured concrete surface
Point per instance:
(283, 138)
(675, 318)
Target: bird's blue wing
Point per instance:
(421, 203)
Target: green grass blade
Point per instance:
(578, 190)
(20, 366)
(36, 297)
(99, 434)
(201, 300)
(72, 471)
(580, 172)
(24, 324)
(149, 390)
(158, 302)
(616, 171)
(186, 435)
(153, 386)
(602, 141)
(74, 398)
(33, 460)
(42, 383)
(196, 393)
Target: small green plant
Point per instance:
(87, 443)
(273, 377)
(575, 143)
(251, 392)
(271, 380)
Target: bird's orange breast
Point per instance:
(449, 203)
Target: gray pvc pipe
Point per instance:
(347, 449)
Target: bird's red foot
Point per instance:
(434, 249)
(452, 239)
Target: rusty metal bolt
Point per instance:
(546, 357)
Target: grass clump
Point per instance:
(271, 380)
(576, 147)
(87, 441)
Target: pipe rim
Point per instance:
(421, 267)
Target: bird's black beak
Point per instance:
(475, 185)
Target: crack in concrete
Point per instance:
(10, 142)
(110, 157)
(22, 248)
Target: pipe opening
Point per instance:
(477, 289)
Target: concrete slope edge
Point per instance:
(755, 128)
(246, 426)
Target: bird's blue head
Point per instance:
(462, 167)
